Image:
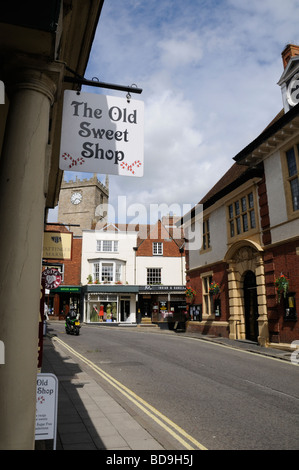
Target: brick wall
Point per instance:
(72, 268)
(282, 259)
(216, 327)
(158, 233)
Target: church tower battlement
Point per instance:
(82, 202)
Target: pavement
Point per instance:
(89, 418)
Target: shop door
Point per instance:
(251, 306)
(124, 310)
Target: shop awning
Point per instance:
(109, 289)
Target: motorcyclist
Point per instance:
(72, 325)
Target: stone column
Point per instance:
(22, 205)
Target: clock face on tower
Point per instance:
(76, 198)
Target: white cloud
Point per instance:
(209, 72)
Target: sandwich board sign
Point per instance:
(102, 134)
(46, 407)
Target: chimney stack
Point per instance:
(289, 51)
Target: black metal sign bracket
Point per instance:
(96, 83)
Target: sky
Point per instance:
(208, 70)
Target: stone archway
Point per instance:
(242, 257)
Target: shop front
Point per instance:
(59, 301)
(109, 303)
(162, 305)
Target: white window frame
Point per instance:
(207, 301)
(115, 274)
(242, 215)
(151, 276)
(107, 246)
(157, 248)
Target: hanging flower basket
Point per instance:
(190, 293)
(214, 288)
(282, 286)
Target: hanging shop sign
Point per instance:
(51, 278)
(102, 134)
(57, 245)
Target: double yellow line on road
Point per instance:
(173, 429)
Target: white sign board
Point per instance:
(46, 407)
(102, 134)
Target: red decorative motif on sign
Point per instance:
(130, 168)
(79, 161)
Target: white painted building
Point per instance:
(125, 272)
(108, 275)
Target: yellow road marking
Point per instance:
(152, 412)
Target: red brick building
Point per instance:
(68, 294)
(251, 234)
(160, 264)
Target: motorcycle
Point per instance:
(72, 323)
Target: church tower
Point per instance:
(83, 202)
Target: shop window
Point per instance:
(153, 276)
(103, 310)
(290, 307)
(241, 215)
(157, 248)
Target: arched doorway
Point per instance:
(243, 257)
(250, 306)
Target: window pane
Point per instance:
(291, 159)
(206, 301)
(295, 193)
(250, 200)
(245, 222)
(96, 271)
(237, 208)
(243, 201)
(107, 272)
(154, 276)
(118, 273)
(232, 229)
(230, 211)
(252, 219)
(107, 245)
(157, 248)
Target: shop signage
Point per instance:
(46, 407)
(52, 278)
(70, 290)
(57, 245)
(102, 134)
(155, 288)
